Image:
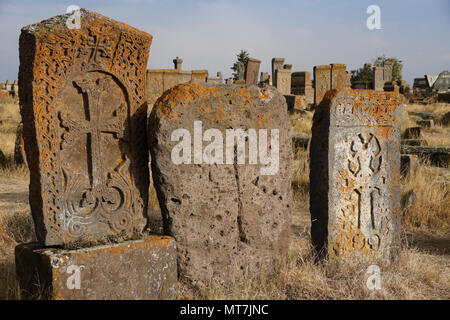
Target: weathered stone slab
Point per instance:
(378, 81)
(132, 270)
(184, 76)
(155, 84)
(322, 82)
(412, 133)
(338, 76)
(229, 219)
(283, 80)
(84, 106)
(170, 78)
(409, 164)
(252, 71)
(199, 75)
(277, 63)
(354, 174)
(437, 155)
(19, 146)
(387, 71)
(425, 123)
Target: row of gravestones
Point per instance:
(221, 164)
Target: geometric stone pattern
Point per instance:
(84, 109)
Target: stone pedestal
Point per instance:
(136, 269)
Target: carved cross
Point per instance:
(94, 126)
(96, 44)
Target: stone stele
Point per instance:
(229, 220)
(83, 99)
(132, 270)
(354, 174)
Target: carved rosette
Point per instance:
(86, 97)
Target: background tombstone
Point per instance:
(184, 76)
(252, 71)
(84, 140)
(215, 80)
(378, 82)
(338, 76)
(199, 75)
(387, 71)
(230, 219)
(354, 174)
(283, 80)
(170, 78)
(264, 77)
(8, 86)
(155, 84)
(322, 82)
(240, 71)
(277, 63)
(177, 62)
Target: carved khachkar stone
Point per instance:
(199, 75)
(252, 71)
(338, 76)
(322, 82)
(378, 81)
(84, 107)
(354, 174)
(229, 217)
(283, 80)
(387, 71)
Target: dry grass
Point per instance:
(421, 272)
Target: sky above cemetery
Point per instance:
(207, 34)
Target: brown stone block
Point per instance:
(132, 270)
(338, 76)
(170, 78)
(84, 109)
(252, 71)
(322, 82)
(199, 75)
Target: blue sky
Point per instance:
(207, 34)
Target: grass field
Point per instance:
(421, 272)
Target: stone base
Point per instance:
(137, 269)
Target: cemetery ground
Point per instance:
(421, 272)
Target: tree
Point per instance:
(366, 74)
(243, 57)
(362, 74)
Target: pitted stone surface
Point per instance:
(132, 270)
(84, 108)
(322, 82)
(227, 219)
(354, 174)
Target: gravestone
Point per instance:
(184, 76)
(8, 86)
(387, 71)
(354, 174)
(177, 62)
(215, 80)
(252, 71)
(338, 76)
(283, 80)
(322, 82)
(19, 146)
(83, 137)
(230, 218)
(240, 70)
(170, 78)
(199, 75)
(378, 82)
(277, 63)
(84, 108)
(264, 78)
(155, 84)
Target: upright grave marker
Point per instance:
(221, 159)
(322, 82)
(252, 71)
(338, 76)
(354, 174)
(378, 81)
(84, 110)
(283, 80)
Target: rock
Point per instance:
(229, 219)
(438, 155)
(414, 142)
(355, 175)
(426, 123)
(412, 133)
(424, 115)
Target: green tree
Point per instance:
(243, 57)
(362, 74)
